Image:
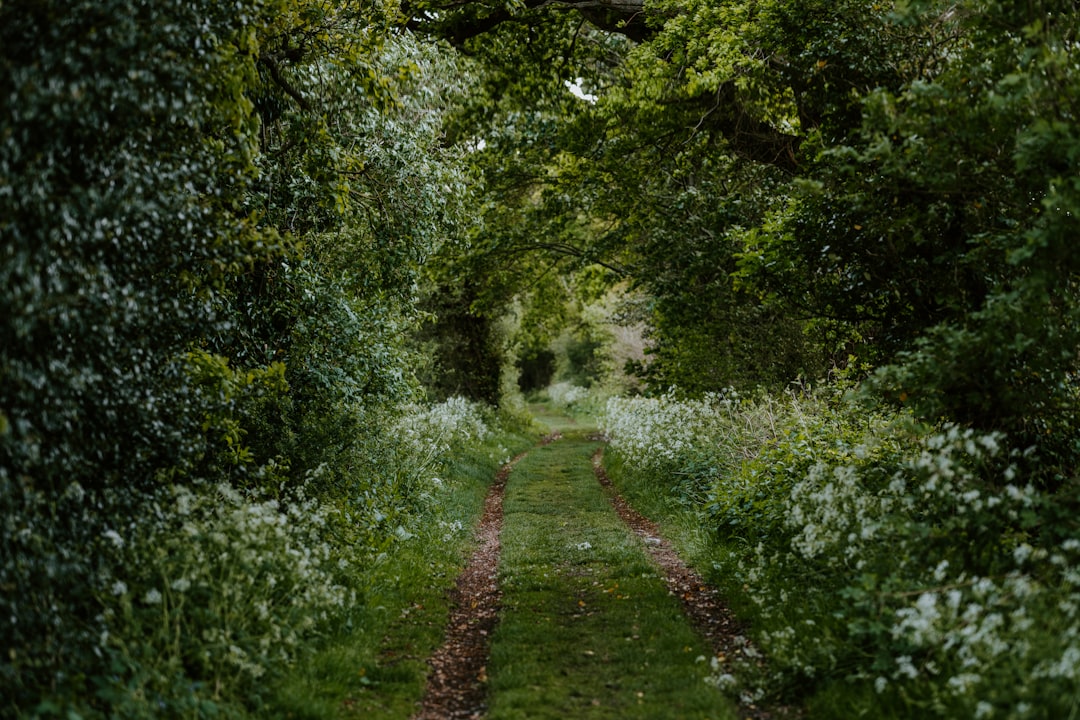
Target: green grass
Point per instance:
(588, 629)
(685, 526)
(376, 669)
(558, 421)
(689, 531)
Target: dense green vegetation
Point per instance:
(252, 255)
(789, 185)
(888, 566)
(864, 212)
(212, 220)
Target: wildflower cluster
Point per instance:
(180, 595)
(922, 562)
(565, 395)
(411, 476)
(683, 441)
(432, 431)
(228, 585)
(175, 601)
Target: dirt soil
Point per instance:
(457, 683)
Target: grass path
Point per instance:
(588, 627)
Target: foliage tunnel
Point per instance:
(236, 238)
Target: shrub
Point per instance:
(921, 564)
(218, 590)
(686, 443)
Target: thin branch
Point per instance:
(271, 64)
(572, 251)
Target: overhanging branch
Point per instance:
(271, 64)
(570, 250)
(458, 21)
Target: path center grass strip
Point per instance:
(589, 629)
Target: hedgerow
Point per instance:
(192, 604)
(899, 568)
(211, 218)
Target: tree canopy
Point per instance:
(236, 238)
(797, 187)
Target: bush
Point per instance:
(916, 570)
(686, 444)
(187, 601)
(217, 590)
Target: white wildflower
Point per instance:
(75, 492)
(723, 681)
(905, 668)
(1021, 553)
(963, 682)
(113, 537)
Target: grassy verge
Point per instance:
(684, 526)
(556, 420)
(376, 668)
(688, 529)
(588, 629)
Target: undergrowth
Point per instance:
(888, 568)
(233, 600)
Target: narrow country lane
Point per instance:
(588, 626)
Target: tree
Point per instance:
(690, 119)
(212, 219)
(351, 167)
(461, 22)
(867, 180)
(1002, 348)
